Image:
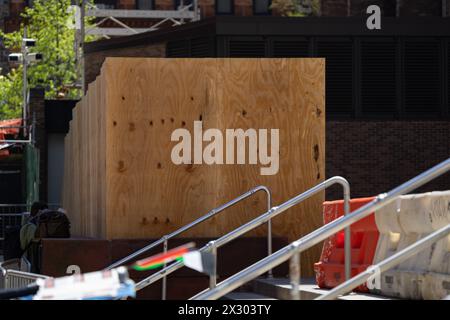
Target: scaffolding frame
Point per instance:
(182, 14)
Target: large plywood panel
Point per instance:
(147, 100)
(123, 181)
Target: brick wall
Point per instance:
(333, 8)
(376, 156)
(207, 7)
(94, 60)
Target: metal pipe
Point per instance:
(80, 49)
(269, 236)
(213, 276)
(158, 275)
(294, 274)
(15, 141)
(196, 10)
(347, 239)
(274, 211)
(320, 234)
(258, 221)
(190, 225)
(24, 50)
(392, 261)
(12, 127)
(164, 280)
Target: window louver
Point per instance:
(238, 48)
(339, 73)
(378, 77)
(286, 48)
(179, 48)
(201, 47)
(422, 85)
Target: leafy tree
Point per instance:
(49, 22)
(296, 8)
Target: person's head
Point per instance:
(36, 207)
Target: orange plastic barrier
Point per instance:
(330, 270)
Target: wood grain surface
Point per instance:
(120, 181)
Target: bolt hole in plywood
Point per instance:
(120, 181)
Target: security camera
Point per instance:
(27, 42)
(15, 57)
(34, 57)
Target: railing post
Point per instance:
(164, 280)
(294, 274)
(347, 236)
(269, 232)
(213, 275)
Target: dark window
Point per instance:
(245, 48)
(378, 77)
(224, 7)
(185, 3)
(290, 48)
(261, 7)
(145, 4)
(339, 75)
(422, 76)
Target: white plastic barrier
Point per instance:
(403, 222)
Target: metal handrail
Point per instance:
(267, 216)
(320, 234)
(164, 239)
(386, 264)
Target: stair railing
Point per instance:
(293, 250)
(388, 263)
(270, 214)
(164, 240)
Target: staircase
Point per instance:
(280, 289)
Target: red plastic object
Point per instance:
(330, 270)
(7, 128)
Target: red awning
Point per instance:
(8, 127)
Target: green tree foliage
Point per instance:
(50, 23)
(296, 8)
(11, 94)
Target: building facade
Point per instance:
(387, 91)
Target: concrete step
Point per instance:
(246, 296)
(280, 288)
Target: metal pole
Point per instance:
(320, 234)
(164, 280)
(348, 238)
(294, 274)
(196, 10)
(213, 276)
(81, 48)
(24, 83)
(15, 141)
(392, 261)
(269, 234)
